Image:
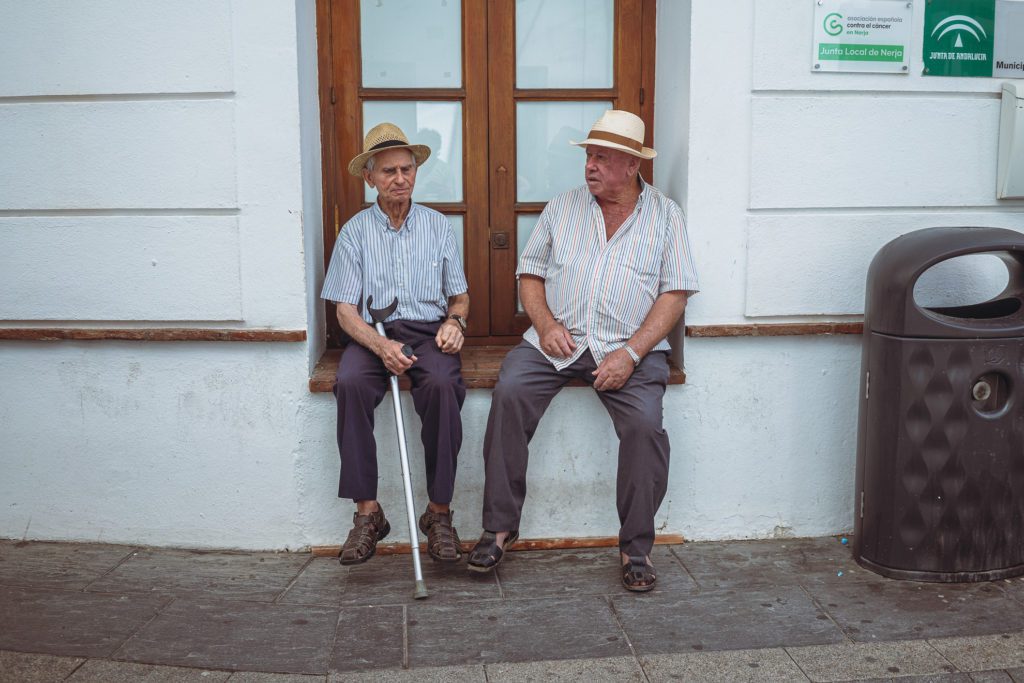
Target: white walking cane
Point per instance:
(379, 316)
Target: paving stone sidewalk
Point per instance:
(786, 610)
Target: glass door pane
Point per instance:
(411, 43)
(546, 163)
(562, 44)
(438, 125)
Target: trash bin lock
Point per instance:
(940, 442)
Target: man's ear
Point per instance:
(366, 178)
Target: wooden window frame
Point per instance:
(488, 96)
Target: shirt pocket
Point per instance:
(428, 277)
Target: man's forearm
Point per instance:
(533, 296)
(663, 316)
(459, 305)
(358, 329)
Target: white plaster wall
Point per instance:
(221, 445)
(152, 175)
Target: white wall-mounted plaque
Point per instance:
(862, 36)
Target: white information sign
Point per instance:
(1008, 52)
(862, 36)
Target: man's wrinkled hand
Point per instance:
(556, 341)
(613, 371)
(395, 361)
(449, 337)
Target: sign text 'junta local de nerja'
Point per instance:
(862, 36)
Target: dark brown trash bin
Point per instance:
(940, 443)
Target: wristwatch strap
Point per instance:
(460, 320)
(632, 354)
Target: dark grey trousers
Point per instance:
(526, 385)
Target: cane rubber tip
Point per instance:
(421, 591)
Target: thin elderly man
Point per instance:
(398, 249)
(604, 277)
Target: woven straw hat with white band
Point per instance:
(383, 137)
(621, 130)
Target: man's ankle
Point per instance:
(366, 507)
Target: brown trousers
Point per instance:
(526, 385)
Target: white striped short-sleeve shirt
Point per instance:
(601, 290)
(419, 264)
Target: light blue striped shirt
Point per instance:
(419, 264)
(601, 290)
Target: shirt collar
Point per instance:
(382, 218)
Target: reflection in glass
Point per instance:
(563, 44)
(525, 223)
(546, 163)
(411, 43)
(438, 125)
(460, 236)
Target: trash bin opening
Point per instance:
(970, 286)
(998, 308)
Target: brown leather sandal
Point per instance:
(361, 543)
(487, 554)
(443, 544)
(637, 575)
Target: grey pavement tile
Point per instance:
(369, 638)
(71, 566)
(241, 576)
(24, 667)
(439, 674)
(386, 580)
(789, 562)
(260, 677)
(604, 669)
(866, 660)
(978, 653)
(224, 634)
(725, 620)
(70, 623)
(958, 677)
(896, 610)
(1013, 587)
(570, 573)
(1017, 674)
(513, 631)
(990, 677)
(107, 671)
(730, 666)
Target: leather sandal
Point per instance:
(443, 544)
(487, 554)
(361, 543)
(637, 575)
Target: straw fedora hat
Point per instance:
(382, 137)
(619, 130)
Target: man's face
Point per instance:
(393, 175)
(608, 171)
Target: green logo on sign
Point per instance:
(959, 23)
(958, 37)
(833, 24)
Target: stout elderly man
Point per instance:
(604, 277)
(397, 248)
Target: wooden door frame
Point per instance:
(341, 95)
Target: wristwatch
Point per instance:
(460, 320)
(632, 354)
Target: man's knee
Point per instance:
(639, 425)
(438, 384)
